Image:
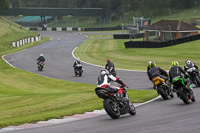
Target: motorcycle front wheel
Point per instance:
(132, 110)
(111, 108)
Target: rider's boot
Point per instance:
(189, 87)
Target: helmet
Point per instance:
(108, 60)
(149, 62)
(41, 54)
(175, 63)
(187, 61)
(152, 64)
(104, 71)
(77, 59)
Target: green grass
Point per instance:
(27, 98)
(96, 51)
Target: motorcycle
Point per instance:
(78, 70)
(112, 106)
(194, 76)
(40, 65)
(182, 92)
(162, 88)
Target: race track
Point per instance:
(160, 116)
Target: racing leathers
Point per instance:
(110, 67)
(40, 59)
(157, 72)
(191, 66)
(104, 82)
(175, 72)
(77, 66)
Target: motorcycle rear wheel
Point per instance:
(162, 92)
(193, 99)
(183, 96)
(111, 109)
(196, 78)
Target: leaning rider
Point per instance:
(156, 72)
(175, 72)
(104, 80)
(77, 65)
(40, 59)
(189, 64)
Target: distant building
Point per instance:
(169, 30)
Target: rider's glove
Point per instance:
(123, 85)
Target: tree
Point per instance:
(4, 4)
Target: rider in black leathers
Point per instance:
(77, 65)
(40, 59)
(110, 67)
(156, 72)
(175, 72)
(104, 80)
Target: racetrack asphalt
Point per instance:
(159, 116)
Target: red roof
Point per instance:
(172, 25)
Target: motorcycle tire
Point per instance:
(193, 99)
(171, 95)
(132, 110)
(162, 92)
(183, 96)
(110, 108)
(196, 78)
(80, 74)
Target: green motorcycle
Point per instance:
(182, 92)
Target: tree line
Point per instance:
(120, 7)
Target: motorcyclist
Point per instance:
(110, 67)
(176, 72)
(189, 64)
(40, 59)
(156, 72)
(149, 65)
(77, 65)
(104, 80)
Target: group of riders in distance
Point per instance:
(115, 98)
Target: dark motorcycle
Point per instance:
(194, 76)
(162, 88)
(182, 92)
(78, 70)
(40, 65)
(112, 107)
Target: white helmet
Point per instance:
(187, 61)
(104, 71)
(41, 54)
(77, 59)
(150, 62)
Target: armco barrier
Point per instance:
(25, 40)
(150, 44)
(76, 29)
(134, 36)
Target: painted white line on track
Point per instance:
(11, 54)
